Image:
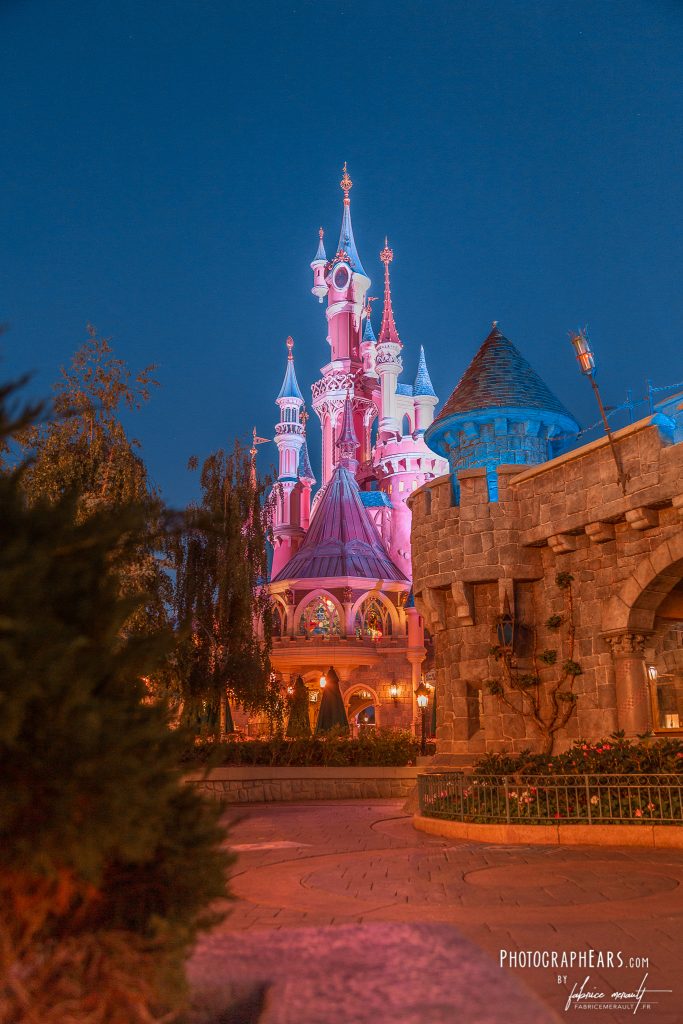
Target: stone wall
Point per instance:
(474, 559)
(258, 785)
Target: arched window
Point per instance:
(406, 428)
(320, 618)
(277, 619)
(373, 619)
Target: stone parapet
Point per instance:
(246, 784)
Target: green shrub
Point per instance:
(108, 862)
(613, 756)
(379, 748)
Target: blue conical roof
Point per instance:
(368, 333)
(423, 383)
(304, 469)
(290, 386)
(320, 255)
(500, 377)
(347, 242)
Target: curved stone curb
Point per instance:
(657, 836)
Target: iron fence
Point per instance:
(552, 799)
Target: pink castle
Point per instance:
(341, 574)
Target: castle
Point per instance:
(341, 572)
(551, 579)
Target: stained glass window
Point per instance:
(277, 619)
(320, 618)
(373, 619)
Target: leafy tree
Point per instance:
(299, 723)
(108, 862)
(83, 450)
(220, 567)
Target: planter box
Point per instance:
(247, 784)
(660, 836)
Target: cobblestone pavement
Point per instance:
(322, 865)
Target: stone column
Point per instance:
(289, 600)
(634, 714)
(347, 601)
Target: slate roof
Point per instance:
(304, 469)
(375, 499)
(404, 389)
(423, 382)
(368, 333)
(320, 256)
(500, 377)
(341, 540)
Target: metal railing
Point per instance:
(552, 799)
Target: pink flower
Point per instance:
(607, 747)
(650, 807)
(639, 813)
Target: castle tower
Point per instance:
(424, 394)
(288, 529)
(388, 362)
(501, 412)
(345, 283)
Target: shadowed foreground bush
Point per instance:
(108, 863)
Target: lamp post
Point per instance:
(586, 361)
(422, 696)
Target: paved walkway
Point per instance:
(357, 876)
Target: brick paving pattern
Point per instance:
(305, 869)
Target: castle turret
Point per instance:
(424, 394)
(346, 286)
(288, 531)
(388, 362)
(500, 413)
(318, 267)
(307, 480)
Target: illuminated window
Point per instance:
(320, 618)
(277, 619)
(401, 485)
(373, 619)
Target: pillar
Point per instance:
(634, 713)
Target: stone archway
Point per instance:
(358, 699)
(653, 591)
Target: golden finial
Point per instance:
(320, 233)
(368, 309)
(290, 345)
(346, 184)
(386, 254)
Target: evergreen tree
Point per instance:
(220, 568)
(108, 862)
(332, 714)
(299, 724)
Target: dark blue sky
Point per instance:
(165, 167)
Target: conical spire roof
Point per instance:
(347, 242)
(304, 469)
(423, 383)
(387, 331)
(368, 333)
(500, 377)
(348, 442)
(290, 386)
(320, 256)
(342, 540)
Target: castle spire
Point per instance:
(320, 254)
(388, 331)
(423, 383)
(290, 386)
(348, 442)
(369, 334)
(347, 243)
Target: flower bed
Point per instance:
(609, 782)
(553, 799)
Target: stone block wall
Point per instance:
(259, 785)
(474, 559)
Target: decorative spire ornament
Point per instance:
(346, 185)
(388, 331)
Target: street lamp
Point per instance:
(586, 361)
(393, 690)
(323, 681)
(422, 696)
